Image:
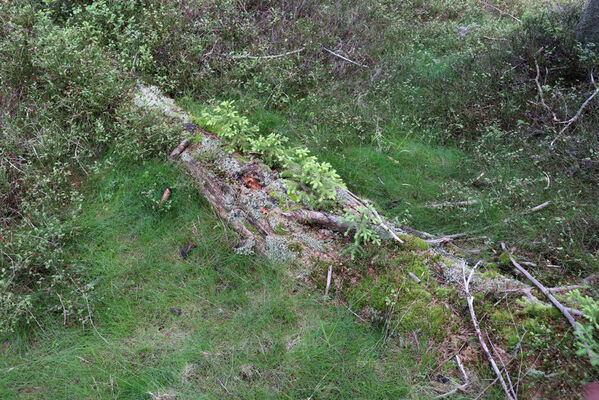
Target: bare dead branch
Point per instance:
(564, 310)
(344, 58)
(509, 393)
(452, 204)
(575, 117)
(460, 387)
(268, 56)
(540, 88)
(501, 12)
(383, 225)
(539, 207)
(414, 277)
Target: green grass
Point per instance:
(237, 312)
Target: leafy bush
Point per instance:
(305, 171)
(549, 37)
(224, 120)
(64, 105)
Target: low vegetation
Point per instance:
(464, 118)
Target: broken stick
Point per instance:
(564, 310)
(509, 392)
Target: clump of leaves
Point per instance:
(304, 171)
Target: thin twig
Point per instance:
(485, 228)
(565, 312)
(575, 117)
(460, 387)
(383, 225)
(470, 301)
(452, 204)
(35, 319)
(269, 56)
(501, 12)
(89, 312)
(64, 311)
(329, 273)
(344, 58)
(540, 88)
(555, 119)
(509, 380)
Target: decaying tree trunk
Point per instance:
(587, 30)
(252, 199)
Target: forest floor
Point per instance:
(430, 132)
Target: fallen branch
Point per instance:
(452, 204)
(447, 238)
(527, 293)
(344, 58)
(501, 12)
(576, 116)
(518, 347)
(510, 395)
(509, 380)
(179, 149)
(270, 56)
(539, 207)
(414, 277)
(540, 88)
(383, 225)
(546, 292)
(555, 119)
(165, 196)
(484, 228)
(564, 310)
(493, 38)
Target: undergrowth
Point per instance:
(444, 107)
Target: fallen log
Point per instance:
(252, 199)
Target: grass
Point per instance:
(420, 133)
(244, 324)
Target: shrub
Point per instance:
(64, 105)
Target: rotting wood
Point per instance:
(267, 221)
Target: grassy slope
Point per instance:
(236, 311)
